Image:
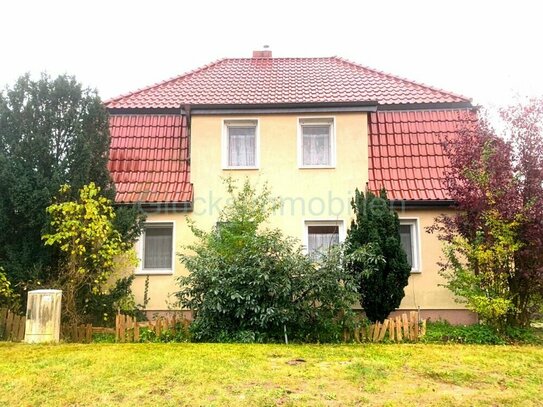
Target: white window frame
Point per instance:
(322, 121)
(140, 248)
(416, 267)
(243, 122)
(322, 222)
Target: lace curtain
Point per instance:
(241, 146)
(316, 145)
(321, 238)
(158, 247)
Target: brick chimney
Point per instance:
(262, 54)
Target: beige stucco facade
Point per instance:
(307, 194)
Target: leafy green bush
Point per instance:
(523, 335)
(179, 334)
(100, 307)
(8, 297)
(477, 334)
(248, 283)
(478, 270)
(103, 338)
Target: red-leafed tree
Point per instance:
(494, 250)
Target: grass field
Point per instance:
(237, 375)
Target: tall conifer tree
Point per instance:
(374, 252)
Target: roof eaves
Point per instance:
(144, 110)
(427, 106)
(401, 204)
(354, 106)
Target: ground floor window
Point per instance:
(321, 235)
(410, 241)
(157, 248)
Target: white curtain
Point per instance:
(158, 248)
(241, 146)
(316, 145)
(405, 237)
(320, 239)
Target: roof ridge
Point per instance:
(403, 79)
(157, 84)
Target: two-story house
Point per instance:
(313, 128)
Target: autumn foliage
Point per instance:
(83, 230)
(494, 251)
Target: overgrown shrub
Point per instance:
(248, 283)
(101, 307)
(441, 332)
(179, 334)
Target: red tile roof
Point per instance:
(406, 154)
(148, 158)
(249, 81)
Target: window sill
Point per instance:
(165, 272)
(313, 167)
(240, 168)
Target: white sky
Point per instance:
(486, 50)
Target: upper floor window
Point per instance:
(410, 241)
(317, 143)
(241, 144)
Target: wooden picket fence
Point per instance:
(77, 333)
(401, 328)
(127, 328)
(404, 327)
(12, 326)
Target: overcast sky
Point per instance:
(486, 50)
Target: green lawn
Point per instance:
(211, 374)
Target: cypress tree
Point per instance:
(375, 254)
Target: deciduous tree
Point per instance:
(52, 132)
(83, 230)
(494, 252)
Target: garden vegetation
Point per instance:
(248, 282)
(53, 132)
(494, 242)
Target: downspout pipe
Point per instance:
(186, 111)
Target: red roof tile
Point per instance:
(413, 166)
(148, 158)
(248, 81)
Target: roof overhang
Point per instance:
(278, 108)
(160, 207)
(427, 106)
(401, 204)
